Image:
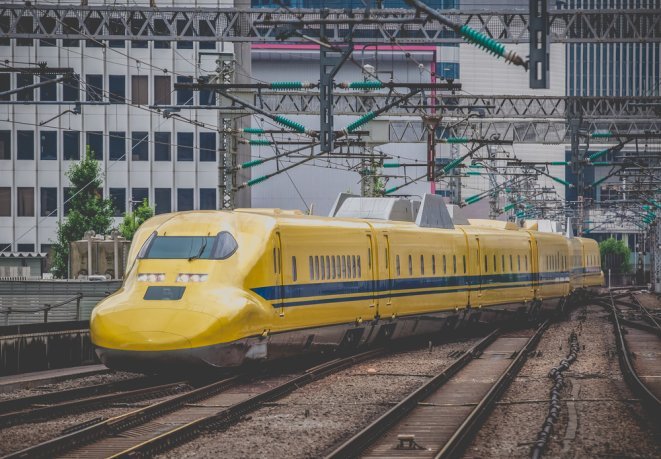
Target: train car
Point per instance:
(220, 288)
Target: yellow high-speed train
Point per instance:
(221, 288)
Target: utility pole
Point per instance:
(242, 74)
(227, 180)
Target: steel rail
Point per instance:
(646, 312)
(56, 410)
(230, 415)
(120, 423)
(651, 401)
(354, 446)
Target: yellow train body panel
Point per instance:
(297, 282)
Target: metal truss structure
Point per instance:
(402, 26)
(522, 119)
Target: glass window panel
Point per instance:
(184, 146)
(95, 144)
(118, 198)
(117, 146)
(5, 144)
(184, 199)
(25, 145)
(163, 200)
(208, 146)
(48, 145)
(140, 146)
(25, 202)
(116, 89)
(162, 146)
(207, 198)
(184, 96)
(138, 195)
(5, 201)
(25, 95)
(48, 92)
(71, 145)
(162, 90)
(140, 89)
(48, 202)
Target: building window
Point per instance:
(184, 199)
(48, 144)
(208, 146)
(163, 200)
(140, 89)
(71, 145)
(207, 97)
(116, 27)
(162, 146)
(161, 29)
(138, 195)
(26, 95)
(184, 29)
(66, 197)
(70, 26)
(184, 146)
(95, 144)
(117, 146)
(25, 145)
(24, 25)
(5, 85)
(48, 92)
(207, 29)
(4, 40)
(207, 198)
(5, 201)
(184, 96)
(118, 198)
(48, 202)
(94, 88)
(162, 90)
(71, 89)
(48, 24)
(140, 146)
(137, 23)
(25, 202)
(5, 144)
(25, 247)
(93, 23)
(116, 89)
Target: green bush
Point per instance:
(616, 248)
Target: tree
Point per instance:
(87, 211)
(617, 252)
(133, 220)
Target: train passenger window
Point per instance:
(353, 266)
(360, 274)
(422, 265)
(495, 268)
(328, 268)
(397, 265)
(279, 261)
(502, 262)
(338, 266)
(316, 267)
(433, 264)
(386, 256)
(294, 274)
(486, 265)
(511, 264)
(445, 267)
(518, 259)
(369, 258)
(311, 268)
(464, 261)
(323, 269)
(344, 267)
(526, 258)
(410, 265)
(454, 263)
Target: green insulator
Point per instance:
(252, 130)
(473, 173)
(286, 85)
(474, 199)
(452, 164)
(391, 165)
(476, 166)
(254, 162)
(598, 154)
(559, 163)
(456, 140)
(509, 207)
(601, 135)
(259, 142)
(390, 190)
(360, 121)
(655, 203)
(602, 163)
(645, 207)
(366, 85)
(559, 180)
(298, 127)
(482, 41)
(257, 180)
(600, 181)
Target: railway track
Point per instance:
(57, 404)
(162, 425)
(439, 418)
(638, 338)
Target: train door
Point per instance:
(383, 275)
(278, 272)
(371, 273)
(534, 267)
(477, 281)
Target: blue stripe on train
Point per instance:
(369, 287)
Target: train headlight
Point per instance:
(187, 277)
(151, 277)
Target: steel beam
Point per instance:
(143, 23)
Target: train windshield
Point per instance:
(216, 247)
